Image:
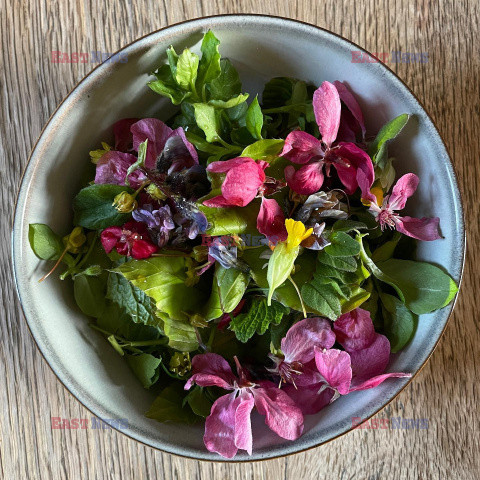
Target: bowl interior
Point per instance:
(261, 48)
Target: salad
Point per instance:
(248, 255)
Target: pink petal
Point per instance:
(354, 330)
(271, 220)
(218, 202)
(243, 427)
(306, 180)
(282, 415)
(142, 249)
(112, 168)
(371, 361)
(347, 97)
(298, 345)
(308, 399)
(123, 135)
(425, 229)
(109, 238)
(365, 185)
(242, 182)
(374, 381)
(403, 189)
(156, 132)
(348, 127)
(335, 367)
(220, 427)
(327, 109)
(226, 165)
(300, 147)
(210, 369)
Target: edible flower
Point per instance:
(158, 220)
(271, 221)
(112, 167)
(425, 229)
(131, 240)
(296, 233)
(318, 156)
(124, 202)
(228, 427)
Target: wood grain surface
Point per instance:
(446, 391)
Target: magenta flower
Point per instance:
(123, 135)
(244, 178)
(228, 427)
(271, 221)
(420, 228)
(352, 123)
(318, 156)
(113, 166)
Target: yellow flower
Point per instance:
(378, 192)
(75, 240)
(95, 155)
(297, 233)
(124, 202)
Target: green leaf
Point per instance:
(89, 294)
(357, 296)
(231, 221)
(209, 67)
(142, 152)
(168, 406)
(254, 119)
(231, 284)
(187, 66)
(198, 401)
(232, 102)
(342, 245)
(321, 295)
(280, 267)
(227, 84)
(163, 279)
(172, 60)
(181, 335)
(135, 302)
(44, 242)
(146, 368)
(399, 322)
(257, 319)
(385, 251)
(424, 287)
(388, 132)
(166, 85)
(207, 120)
(348, 226)
(93, 207)
(266, 150)
(345, 264)
(202, 145)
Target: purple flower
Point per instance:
(113, 166)
(191, 220)
(158, 221)
(228, 427)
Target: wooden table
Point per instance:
(446, 391)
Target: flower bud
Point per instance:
(180, 363)
(155, 192)
(124, 202)
(75, 240)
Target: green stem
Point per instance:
(285, 108)
(299, 296)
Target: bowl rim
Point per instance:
(246, 16)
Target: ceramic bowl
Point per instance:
(260, 47)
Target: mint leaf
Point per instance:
(342, 245)
(257, 319)
(209, 67)
(93, 207)
(377, 149)
(166, 85)
(89, 293)
(399, 322)
(227, 84)
(322, 296)
(146, 368)
(186, 71)
(168, 406)
(266, 150)
(345, 264)
(44, 242)
(254, 119)
(207, 120)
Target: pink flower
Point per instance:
(351, 120)
(271, 221)
(123, 135)
(131, 240)
(228, 427)
(318, 155)
(112, 168)
(243, 180)
(420, 228)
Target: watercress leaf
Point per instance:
(89, 293)
(163, 279)
(44, 242)
(342, 245)
(277, 92)
(187, 69)
(345, 264)
(93, 207)
(322, 298)
(231, 284)
(168, 406)
(388, 132)
(207, 120)
(280, 267)
(198, 401)
(209, 67)
(257, 318)
(146, 368)
(227, 84)
(232, 102)
(266, 150)
(166, 85)
(172, 60)
(424, 287)
(399, 322)
(254, 119)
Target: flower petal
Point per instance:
(282, 415)
(156, 132)
(218, 202)
(306, 180)
(298, 345)
(243, 426)
(371, 361)
(220, 427)
(335, 367)
(308, 399)
(354, 330)
(112, 168)
(242, 182)
(271, 221)
(123, 135)
(109, 238)
(425, 229)
(177, 154)
(210, 369)
(300, 147)
(347, 97)
(365, 185)
(375, 381)
(327, 109)
(403, 189)
(226, 165)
